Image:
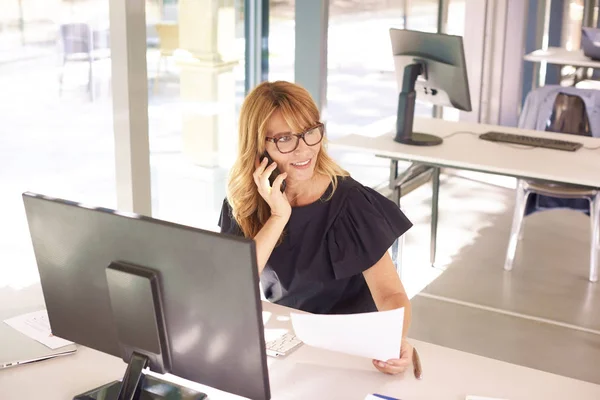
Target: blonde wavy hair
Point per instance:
(300, 112)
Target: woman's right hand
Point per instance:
(276, 199)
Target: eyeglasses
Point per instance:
(287, 143)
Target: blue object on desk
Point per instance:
(376, 396)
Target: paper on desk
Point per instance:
(37, 326)
(376, 335)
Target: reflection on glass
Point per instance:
(196, 84)
(57, 132)
(362, 87)
(282, 39)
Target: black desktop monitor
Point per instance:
(432, 68)
(177, 299)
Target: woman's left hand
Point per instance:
(399, 365)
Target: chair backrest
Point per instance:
(168, 35)
(76, 38)
(569, 116)
(562, 109)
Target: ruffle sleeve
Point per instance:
(365, 228)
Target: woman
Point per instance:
(321, 237)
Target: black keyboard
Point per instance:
(530, 141)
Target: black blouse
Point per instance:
(326, 246)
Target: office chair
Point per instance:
(569, 115)
(80, 44)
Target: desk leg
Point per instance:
(91, 77)
(595, 247)
(397, 251)
(534, 78)
(393, 177)
(434, 213)
(398, 244)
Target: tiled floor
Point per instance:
(533, 344)
(543, 314)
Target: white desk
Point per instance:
(309, 373)
(467, 151)
(562, 56)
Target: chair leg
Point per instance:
(434, 215)
(91, 79)
(595, 242)
(61, 76)
(517, 225)
(155, 82)
(60, 81)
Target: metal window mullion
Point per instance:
(256, 29)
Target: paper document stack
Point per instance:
(37, 326)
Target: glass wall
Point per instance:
(455, 24)
(362, 89)
(422, 15)
(56, 134)
(196, 85)
(361, 86)
(282, 39)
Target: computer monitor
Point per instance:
(177, 299)
(432, 68)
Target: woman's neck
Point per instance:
(306, 192)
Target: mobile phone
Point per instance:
(275, 172)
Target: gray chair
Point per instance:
(569, 115)
(80, 44)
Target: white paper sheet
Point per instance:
(376, 335)
(37, 326)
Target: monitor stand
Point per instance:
(406, 110)
(151, 388)
(135, 297)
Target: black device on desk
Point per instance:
(169, 297)
(430, 67)
(534, 141)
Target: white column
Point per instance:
(130, 105)
(494, 49)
